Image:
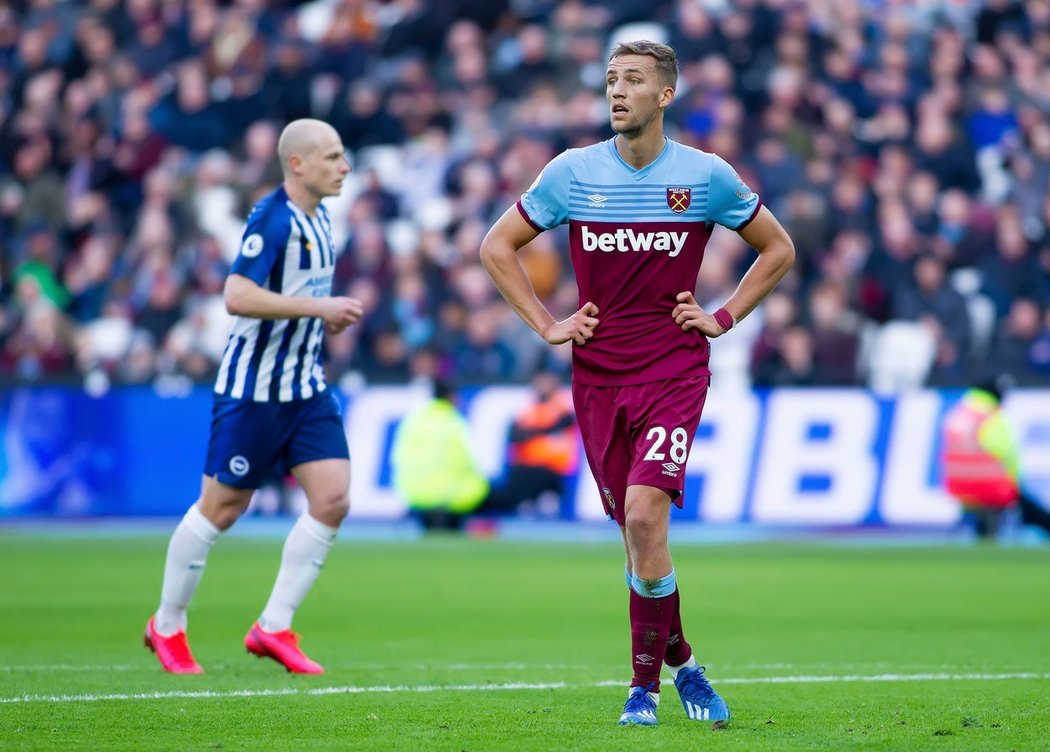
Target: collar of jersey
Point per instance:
(642, 173)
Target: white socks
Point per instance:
(187, 553)
(305, 550)
(691, 663)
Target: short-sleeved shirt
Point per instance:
(291, 253)
(637, 239)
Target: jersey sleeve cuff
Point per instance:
(527, 218)
(750, 219)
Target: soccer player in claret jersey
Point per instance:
(640, 209)
(271, 405)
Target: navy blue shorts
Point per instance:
(251, 440)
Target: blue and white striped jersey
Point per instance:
(287, 252)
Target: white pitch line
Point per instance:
(70, 667)
(382, 689)
(846, 679)
(82, 667)
(390, 689)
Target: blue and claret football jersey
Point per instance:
(637, 239)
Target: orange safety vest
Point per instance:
(971, 473)
(557, 451)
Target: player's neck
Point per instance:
(306, 201)
(641, 150)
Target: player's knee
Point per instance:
(640, 521)
(222, 511)
(331, 510)
(226, 516)
(341, 507)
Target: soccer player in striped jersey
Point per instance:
(640, 209)
(272, 408)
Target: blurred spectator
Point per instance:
(1016, 346)
(836, 336)
(928, 295)
(981, 463)
(1039, 352)
(542, 449)
(480, 354)
(287, 85)
(35, 186)
(779, 313)
(88, 276)
(1011, 270)
(957, 237)
(433, 465)
(259, 172)
(362, 119)
(528, 63)
(795, 364)
(39, 343)
(186, 116)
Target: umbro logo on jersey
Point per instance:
(597, 199)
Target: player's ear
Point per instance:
(666, 97)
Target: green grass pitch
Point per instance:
(456, 644)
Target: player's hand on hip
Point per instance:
(339, 313)
(688, 314)
(579, 327)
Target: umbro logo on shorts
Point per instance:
(671, 467)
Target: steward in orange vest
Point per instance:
(543, 446)
(980, 459)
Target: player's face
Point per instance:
(325, 166)
(635, 93)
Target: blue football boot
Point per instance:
(640, 708)
(699, 698)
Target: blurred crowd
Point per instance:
(905, 146)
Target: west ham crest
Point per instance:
(678, 199)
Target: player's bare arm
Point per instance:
(245, 298)
(499, 256)
(776, 255)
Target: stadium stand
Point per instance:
(886, 136)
